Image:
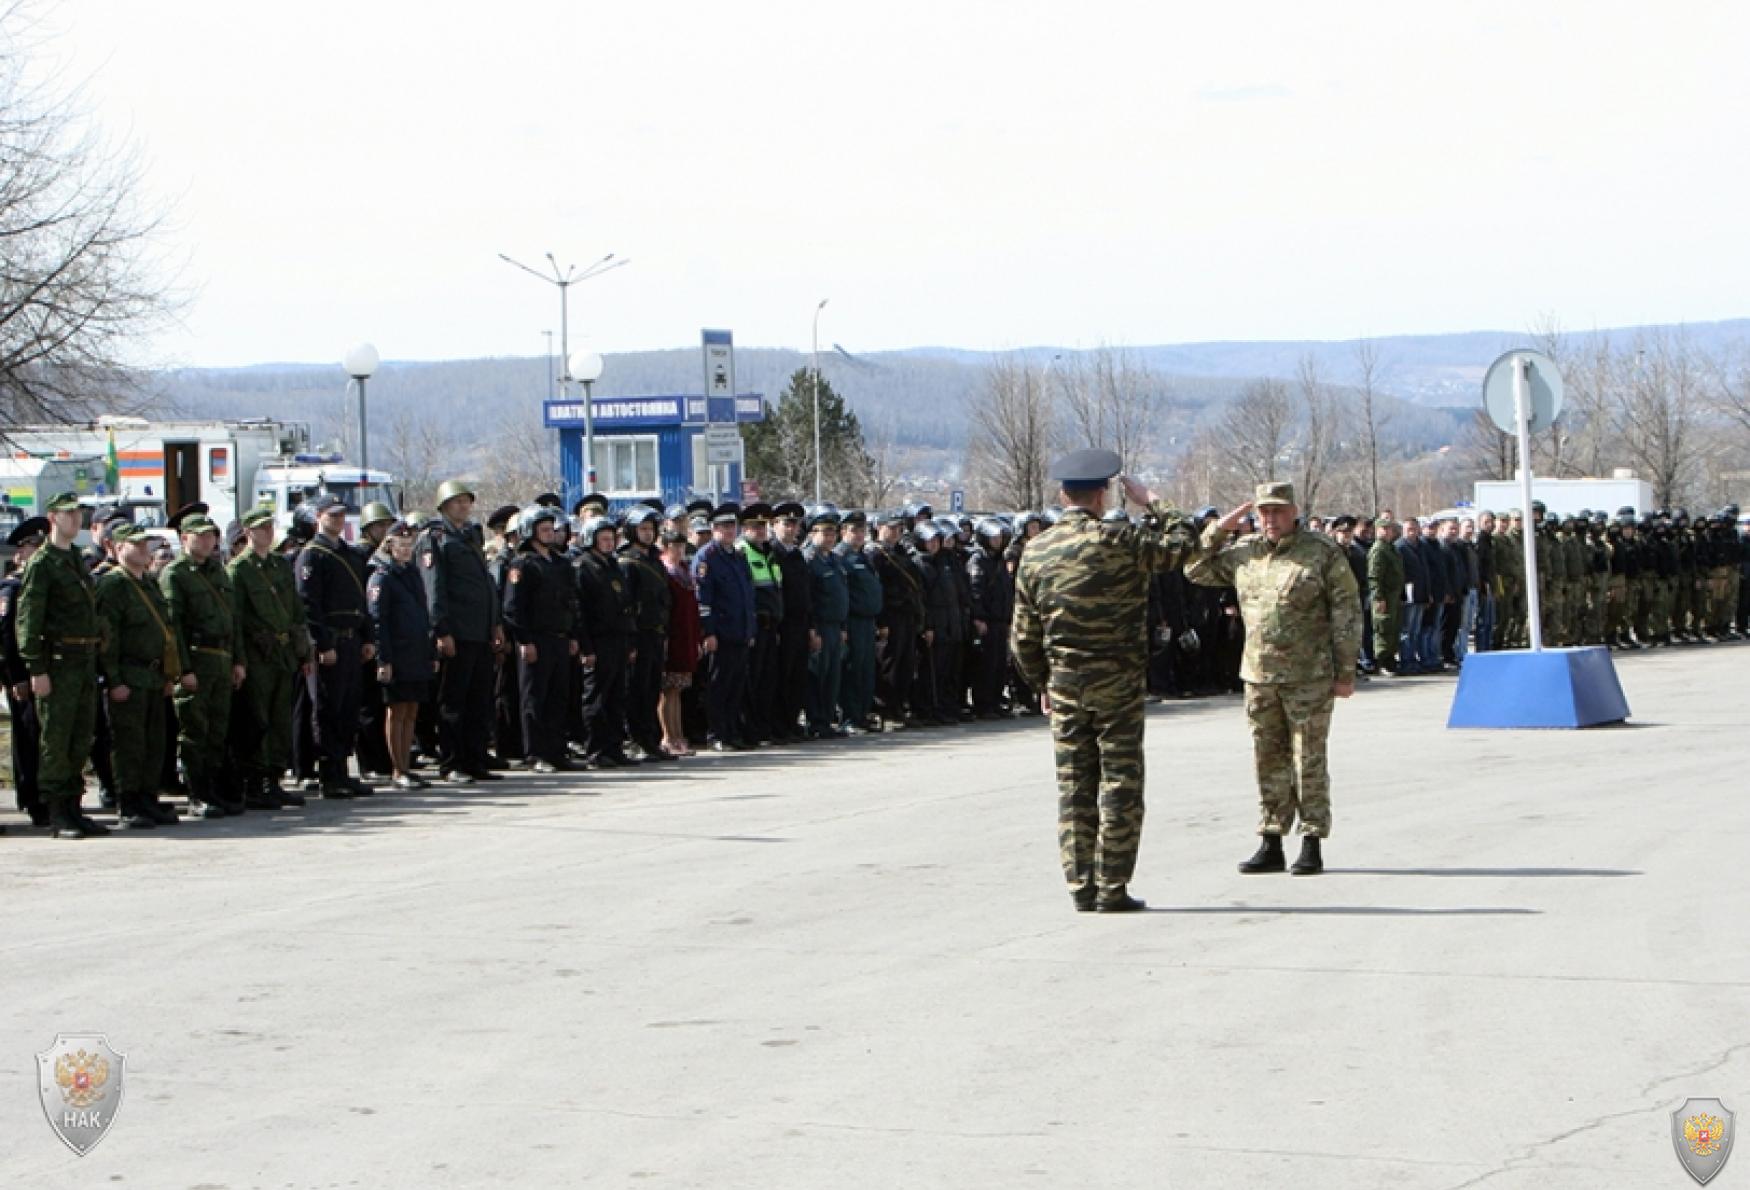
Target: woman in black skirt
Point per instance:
(406, 659)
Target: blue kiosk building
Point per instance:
(650, 446)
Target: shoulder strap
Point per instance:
(343, 565)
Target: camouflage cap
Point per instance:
(63, 502)
(1278, 492)
(257, 517)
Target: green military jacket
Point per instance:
(202, 606)
(1509, 561)
(270, 615)
(141, 649)
(1385, 573)
(1297, 597)
(57, 610)
(1081, 593)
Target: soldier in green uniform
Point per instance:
(202, 610)
(276, 650)
(1385, 586)
(1303, 633)
(1510, 576)
(59, 638)
(1080, 638)
(142, 661)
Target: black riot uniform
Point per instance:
(647, 591)
(507, 723)
(607, 616)
(331, 582)
(541, 615)
(464, 607)
(900, 621)
(992, 589)
(792, 642)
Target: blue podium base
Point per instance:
(1554, 688)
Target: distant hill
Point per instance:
(918, 396)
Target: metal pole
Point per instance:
(550, 392)
(1522, 414)
(589, 481)
(364, 442)
(814, 352)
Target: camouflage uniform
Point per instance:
(1080, 633)
(1303, 633)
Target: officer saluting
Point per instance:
(1080, 638)
(331, 581)
(541, 611)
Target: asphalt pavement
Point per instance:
(855, 965)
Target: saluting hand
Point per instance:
(1231, 522)
(1136, 491)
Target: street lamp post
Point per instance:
(815, 357)
(586, 366)
(360, 363)
(565, 280)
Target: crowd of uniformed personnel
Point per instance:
(276, 664)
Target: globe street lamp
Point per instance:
(815, 354)
(586, 366)
(360, 363)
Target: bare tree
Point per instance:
(1321, 443)
(1012, 433)
(418, 452)
(1111, 402)
(1374, 418)
(1485, 449)
(881, 450)
(1256, 428)
(80, 284)
(1730, 390)
(1662, 398)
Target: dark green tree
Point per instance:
(780, 449)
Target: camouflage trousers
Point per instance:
(1096, 729)
(1617, 613)
(1290, 724)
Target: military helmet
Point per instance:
(532, 516)
(637, 515)
(375, 513)
(449, 489)
(594, 525)
(991, 526)
(1537, 507)
(927, 531)
(1116, 516)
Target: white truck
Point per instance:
(232, 466)
(1569, 496)
(27, 484)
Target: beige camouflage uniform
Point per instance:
(1080, 633)
(1303, 632)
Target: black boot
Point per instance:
(284, 796)
(64, 822)
(1118, 900)
(134, 815)
(1268, 857)
(163, 813)
(1309, 862)
(256, 796)
(1084, 898)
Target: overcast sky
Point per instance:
(946, 172)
